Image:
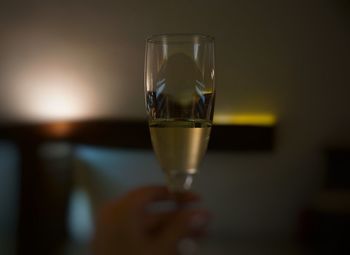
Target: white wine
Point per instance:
(180, 144)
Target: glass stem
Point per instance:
(179, 182)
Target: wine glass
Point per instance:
(180, 94)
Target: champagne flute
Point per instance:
(180, 96)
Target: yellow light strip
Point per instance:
(245, 119)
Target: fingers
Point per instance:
(160, 215)
(186, 197)
(155, 222)
(183, 224)
(157, 230)
(146, 195)
(142, 197)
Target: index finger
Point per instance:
(141, 197)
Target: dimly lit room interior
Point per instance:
(74, 132)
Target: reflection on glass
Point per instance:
(180, 94)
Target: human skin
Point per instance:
(127, 226)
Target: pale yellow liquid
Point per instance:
(180, 145)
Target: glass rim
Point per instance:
(179, 38)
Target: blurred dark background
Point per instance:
(282, 66)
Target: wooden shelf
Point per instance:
(133, 134)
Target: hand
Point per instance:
(128, 227)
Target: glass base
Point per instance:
(179, 182)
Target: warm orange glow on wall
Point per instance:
(245, 119)
(58, 130)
